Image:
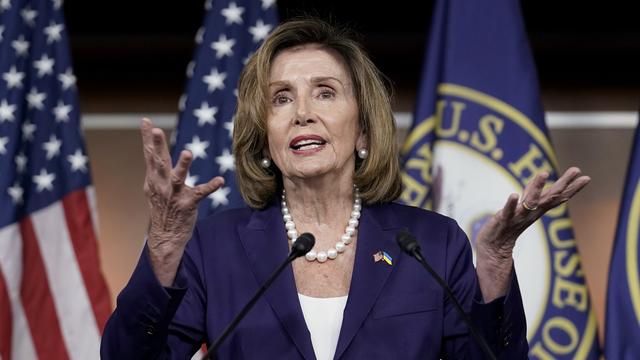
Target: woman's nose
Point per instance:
(303, 115)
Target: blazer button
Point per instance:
(151, 330)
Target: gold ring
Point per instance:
(526, 206)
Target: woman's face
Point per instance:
(312, 122)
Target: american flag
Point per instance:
(53, 298)
(232, 31)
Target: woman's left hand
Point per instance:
(498, 236)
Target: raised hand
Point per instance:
(498, 236)
(172, 204)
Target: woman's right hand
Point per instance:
(173, 205)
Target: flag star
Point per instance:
(233, 14)
(223, 46)
(208, 4)
(53, 32)
(13, 78)
(52, 147)
(36, 99)
(206, 114)
(6, 111)
(16, 193)
(44, 65)
(191, 66)
(21, 162)
(5, 5)
(215, 80)
(27, 130)
(29, 16)
(267, 4)
(21, 46)
(219, 197)
(225, 161)
(61, 111)
(260, 30)
(229, 127)
(78, 161)
(200, 35)
(1, 33)
(44, 180)
(197, 147)
(67, 79)
(57, 4)
(191, 180)
(3, 144)
(182, 102)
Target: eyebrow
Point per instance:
(314, 80)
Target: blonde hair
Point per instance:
(377, 177)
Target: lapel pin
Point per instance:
(383, 256)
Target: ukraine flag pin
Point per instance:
(383, 256)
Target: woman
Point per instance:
(315, 152)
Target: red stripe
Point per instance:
(6, 321)
(37, 299)
(85, 245)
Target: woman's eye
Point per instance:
(281, 99)
(327, 94)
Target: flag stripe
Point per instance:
(11, 266)
(37, 299)
(81, 231)
(70, 297)
(6, 321)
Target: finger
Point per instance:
(161, 157)
(531, 193)
(509, 209)
(203, 190)
(575, 186)
(146, 127)
(181, 169)
(561, 184)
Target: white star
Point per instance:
(190, 68)
(215, 80)
(267, 4)
(78, 161)
(36, 99)
(182, 102)
(226, 161)
(223, 46)
(21, 46)
(21, 162)
(27, 130)
(260, 30)
(52, 147)
(5, 5)
(29, 16)
(13, 78)
(229, 127)
(191, 180)
(207, 4)
(233, 14)
(44, 180)
(200, 35)
(53, 32)
(3, 144)
(6, 111)
(61, 111)
(197, 148)
(67, 79)
(44, 65)
(57, 4)
(205, 114)
(16, 193)
(219, 197)
(1, 33)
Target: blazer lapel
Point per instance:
(264, 242)
(376, 232)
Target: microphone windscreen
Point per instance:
(303, 244)
(407, 242)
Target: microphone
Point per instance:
(409, 245)
(300, 247)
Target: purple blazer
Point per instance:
(393, 311)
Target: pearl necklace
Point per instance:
(345, 239)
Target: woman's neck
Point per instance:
(319, 201)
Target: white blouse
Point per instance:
(324, 320)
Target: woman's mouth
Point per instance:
(307, 144)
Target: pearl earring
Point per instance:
(363, 153)
(265, 162)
